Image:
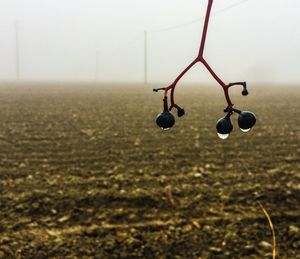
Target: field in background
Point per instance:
(85, 172)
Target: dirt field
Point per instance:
(86, 173)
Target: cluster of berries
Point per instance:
(246, 120)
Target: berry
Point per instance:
(245, 92)
(246, 121)
(165, 120)
(224, 127)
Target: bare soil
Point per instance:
(86, 173)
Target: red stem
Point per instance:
(205, 27)
(201, 59)
(173, 85)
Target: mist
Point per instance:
(257, 40)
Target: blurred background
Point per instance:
(111, 41)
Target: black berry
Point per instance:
(224, 127)
(246, 120)
(165, 120)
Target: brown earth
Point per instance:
(86, 173)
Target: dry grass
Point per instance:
(271, 227)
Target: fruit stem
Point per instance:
(166, 108)
(158, 89)
(201, 59)
(210, 70)
(238, 83)
(228, 115)
(205, 27)
(173, 85)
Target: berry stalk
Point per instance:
(246, 120)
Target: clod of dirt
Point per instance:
(265, 245)
(64, 219)
(215, 249)
(293, 230)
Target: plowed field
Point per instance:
(86, 173)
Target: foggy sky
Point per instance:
(257, 41)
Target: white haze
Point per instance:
(257, 41)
